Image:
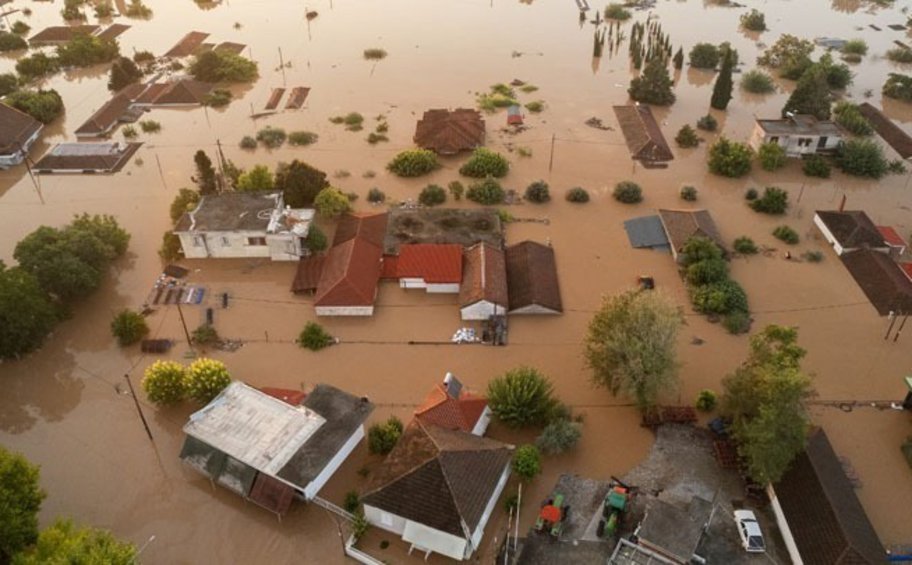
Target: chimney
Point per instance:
(842, 203)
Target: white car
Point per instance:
(749, 530)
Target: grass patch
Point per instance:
(150, 126)
(536, 106)
(300, 138)
(374, 54)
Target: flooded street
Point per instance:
(66, 406)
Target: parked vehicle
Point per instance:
(749, 530)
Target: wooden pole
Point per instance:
(900, 329)
(890, 329)
(138, 407)
(161, 173)
(184, 324)
(551, 160)
(282, 66)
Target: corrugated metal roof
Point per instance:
(646, 232)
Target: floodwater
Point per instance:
(65, 406)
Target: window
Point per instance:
(225, 242)
(804, 141)
(254, 241)
(197, 241)
(774, 139)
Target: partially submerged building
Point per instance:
(434, 267)
(106, 118)
(532, 285)
(642, 133)
(244, 224)
(483, 292)
(451, 406)
(799, 134)
(18, 132)
(849, 230)
(681, 226)
(88, 158)
(270, 451)
(59, 35)
(448, 132)
(818, 512)
(882, 280)
(899, 140)
(438, 488)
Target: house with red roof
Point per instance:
(435, 267)
(483, 292)
(449, 405)
(893, 239)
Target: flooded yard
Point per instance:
(66, 406)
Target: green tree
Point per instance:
(861, 158)
(730, 158)
(315, 240)
(9, 82)
(11, 42)
(205, 173)
(300, 183)
(849, 116)
(765, 399)
(630, 345)
(382, 438)
(811, 95)
(256, 179)
(790, 55)
(527, 462)
(687, 137)
(678, 60)
(485, 163)
(653, 86)
(754, 20)
(37, 65)
(63, 542)
(432, 195)
(487, 192)
(538, 192)
(722, 90)
(129, 327)
(839, 76)
(331, 202)
(164, 382)
(559, 436)
(772, 156)
(185, 201)
(20, 501)
(124, 72)
(704, 56)
(896, 86)
(522, 397)
(221, 65)
(774, 201)
(314, 337)
(205, 379)
(43, 105)
(413, 163)
(757, 82)
(26, 313)
(87, 50)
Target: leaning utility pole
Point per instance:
(138, 407)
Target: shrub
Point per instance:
(9, 82)
(11, 42)
(851, 58)
(737, 322)
(432, 195)
(220, 65)
(170, 249)
(558, 436)
(706, 272)
(707, 123)
(299, 138)
(687, 137)
(374, 54)
(164, 382)
(524, 151)
(628, 192)
(382, 438)
(218, 98)
(314, 337)
(87, 50)
(745, 246)
(204, 334)
(316, 240)
(413, 163)
(353, 121)
(129, 327)
(376, 196)
(730, 158)
(487, 192)
(617, 12)
(538, 192)
(706, 401)
(896, 166)
(772, 156)
(374, 138)
(521, 397)
(813, 256)
(849, 116)
(136, 9)
(526, 462)
(757, 82)
(751, 194)
(689, 193)
(248, 142)
(861, 157)
(271, 137)
(124, 72)
(900, 55)
(43, 105)
(185, 201)
(855, 47)
(753, 20)
(150, 126)
(331, 203)
(536, 106)
(699, 248)
(792, 56)
(896, 86)
(37, 65)
(485, 163)
(456, 190)
(143, 57)
(205, 379)
(774, 201)
(719, 298)
(577, 195)
(352, 501)
(256, 179)
(816, 166)
(704, 56)
(19, 27)
(786, 234)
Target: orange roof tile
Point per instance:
(350, 274)
(433, 262)
(484, 276)
(371, 227)
(442, 409)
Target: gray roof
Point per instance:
(677, 531)
(231, 211)
(852, 228)
(646, 232)
(800, 124)
(16, 128)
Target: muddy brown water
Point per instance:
(65, 406)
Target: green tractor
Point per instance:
(613, 508)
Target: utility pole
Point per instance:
(282, 66)
(139, 408)
(551, 160)
(184, 324)
(900, 329)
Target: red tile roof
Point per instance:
(891, 236)
(485, 276)
(105, 117)
(433, 262)
(293, 397)
(390, 269)
(449, 132)
(370, 227)
(350, 274)
(441, 409)
(16, 128)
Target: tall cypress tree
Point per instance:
(679, 59)
(722, 91)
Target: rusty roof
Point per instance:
(532, 277)
(681, 225)
(370, 227)
(852, 228)
(642, 133)
(184, 91)
(87, 157)
(105, 117)
(187, 45)
(891, 236)
(484, 276)
(881, 279)
(433, 262)
(350, 274)
(440, 478)
(16, 128)
(449, 132)
(452, 407)
(150, 93)
(62, 34)
(307, 276)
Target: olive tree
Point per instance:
(521, 397)
(20, 501)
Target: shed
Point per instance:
(448, 132)
(821, 518)
(18, 132)
(881, 279)
(58, 35)
(642, 133)
(849, 230)
(682, 225)
(483, 292)
(799, 134)
(672, 531)
(450, 405)
(532, 284)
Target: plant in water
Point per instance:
(150, 126)
(774, 201)
(382, 438)
(205, 379)
(538, 192)
(205, 334)
(772, 156)
(129, 132)
(248, 142)
(757, 82)
(271, 137)
(707, 123)
(617, 12)
(628, 192)
(301, 138)
(413, 163)
(432, 195)
(376, 196)
(745, 246)
(535, 106)
(163, 382)
(374, 54)
(527, 462)
(314, 337)
(687, 137)
(706, 401)
(786, 234)
(816, 166)
(753, 20)
(485, 163)
(689, 193)
(577, 195)
(855, 47)
(487, 192)
(129, 327)
(456, 190)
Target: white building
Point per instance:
(18, 132)
(270, 451)
(483, 292)
(799, 135)
(244, 224)
(848, 231)
(438, 488)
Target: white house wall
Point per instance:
(427, 538)
(315, 485)
(481, 310)
(479, 531)
(534, 309)
(828, 235)
(412, 283)
(344, 310)
(384, 520)
(443, 288)
(222, 245)
(784, 529)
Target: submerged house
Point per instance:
(682, 225)
(883, 281)
(447, 132)
(642, 133)
(18, 132)
(532, 285)
(435, 267)
(798, 134)
(483, 292)
(438, 488)
(106, 118)
(450, 405)
(849, 230)
(244, 224)
(87, 158)
(270, 451)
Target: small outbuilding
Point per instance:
(483, 292)
(18, 132)
(448, 132)
(532, 285)
(450, 405)
(849, 230)
(799, 134)
(673, 531)
(435, 267)
(87, 158)
(642, 133)
(682, 225)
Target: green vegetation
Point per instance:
(248, 142)
(21, 493)
(204, 335)
(577, 195)
(861, 158)
(331, 203)
(745, 246)
(256, 179)
(535, 106)
(27, 315)
(223, 66)
(9, 82)
(300, 183)
(104, 9)
(205, 379)
(813, 256)
(678, 60)
(617, 12)
(654, 85)
(816, 166)
(87, 50)
(499, 96)
(526, 462)
(751, 194)
(164, 381)
(630, 345)
(382, 438)
(375, 138)
(143, 57)
(124, 72)
(374, 54)
(301, 138)
(688, 193)
(789, 55)
(63, 542)
(811, 95)
(711, 289)
(900, 55)
(855, 47)
(786, 235)
(19, 27)
(628, 192)
(205, 173)
(706, 401)
(485, 163)
(271, 137)
(352, 501)
(538, 192)
(722, 89)
(136, 9)
(432, 195)
(765, 399)
(848, 115)
(522, 397)
(36, 65)
(687, 137)
(896, 86)
(772, 156)
(487, 192)
(456, 190)
(559, 436)
(838, 75)
(730, 158)
(217, 98)
(704, 56)
(11, 42)
(774, 201)
(707, 123)
(150, 126)
(376, 196)
(43, 105)
(314, 337)
(128, 327)
(757, 82)
(316, 240)
(170, 249)
(753, 20)
(413, 163)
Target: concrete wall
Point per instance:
(344, 310)
(8, 160)
(481, 310)
(479, 531)
(222, 245)
(534, 309)
(828, 235)
(432, 288)
(315, 485)
(784, 527)
(793, 143)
